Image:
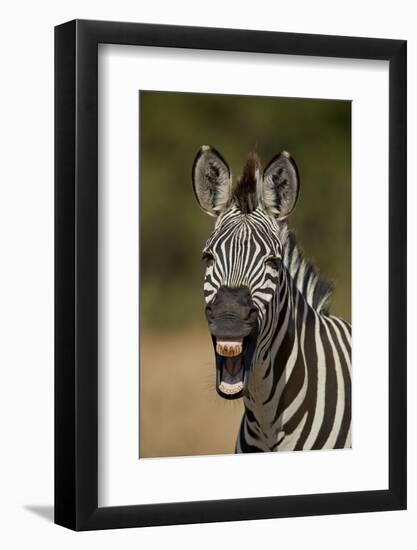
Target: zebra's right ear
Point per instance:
(212, 181)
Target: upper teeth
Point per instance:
(229, 349)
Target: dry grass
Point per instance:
(180, 412)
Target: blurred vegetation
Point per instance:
(173, 229)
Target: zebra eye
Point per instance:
(208, 258)
(275, 263)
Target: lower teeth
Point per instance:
(230, 389)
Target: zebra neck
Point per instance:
(276, 360)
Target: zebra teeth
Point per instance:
(228, 348)
(230, 389)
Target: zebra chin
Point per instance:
(233, 361)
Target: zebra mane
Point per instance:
(316, 290)
(245, 190)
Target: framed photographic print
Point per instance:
(230, 248)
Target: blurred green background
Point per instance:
(173, 231)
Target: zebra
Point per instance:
(275, 343)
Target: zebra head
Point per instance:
(243, 255)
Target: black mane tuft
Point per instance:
(245, 192)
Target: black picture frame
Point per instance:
(76, 272)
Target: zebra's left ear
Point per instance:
(280, 186)
(212, 181)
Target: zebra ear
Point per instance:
(280, 186)
(212, 181)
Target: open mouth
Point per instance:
(233, 359)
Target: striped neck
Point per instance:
(267, 407)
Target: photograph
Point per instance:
(245, 274)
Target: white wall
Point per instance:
(26, 289)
